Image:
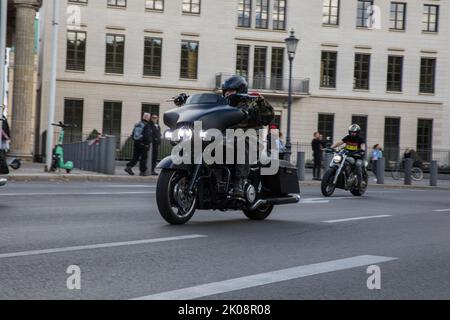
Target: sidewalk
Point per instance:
(35, 172)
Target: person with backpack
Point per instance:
(141, 136)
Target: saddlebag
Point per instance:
(284, 182)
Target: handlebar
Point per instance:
(62, 125)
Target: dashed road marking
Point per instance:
(357, 218)
(98, 246)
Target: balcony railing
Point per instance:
(270, 84)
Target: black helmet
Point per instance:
(354, 128)
(237, 83)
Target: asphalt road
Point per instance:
(311, 250)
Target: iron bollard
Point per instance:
(110, 157)
(408, 169)
(102, 155)
(149, 159)
(381, 164)
(301, 166)
(434, 173)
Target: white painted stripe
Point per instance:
(357, 218)
(261, 279)
(128, 186)
(98, 246)
(105, 193)
(442, 210)
(314, 202)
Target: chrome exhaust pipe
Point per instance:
(284, 200)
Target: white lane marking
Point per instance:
(128, 186)
(261, 279)
(357, 218)
(98, 246)
(324, 200)
(442, 210)
(107, 193)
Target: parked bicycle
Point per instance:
(398, 172)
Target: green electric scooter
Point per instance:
(58, 151)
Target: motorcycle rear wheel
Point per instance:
(327, 185)
(359, 192)
(171, 184)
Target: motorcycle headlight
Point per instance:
(337, 159)
(185, 134)
(168, 135)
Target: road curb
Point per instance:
(120, 178)
(78, 178)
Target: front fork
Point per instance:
(194, 178)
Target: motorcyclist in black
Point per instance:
(355, 144)
(258, 113)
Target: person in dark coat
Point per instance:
(317, 147)
(141, 136)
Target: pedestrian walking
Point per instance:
(155, 132)
(376, 155)
(317, 148)
(4, 145)
(141, 136)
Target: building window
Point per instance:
(245, 13)
(76, 51)
(112, 119)
(364, 13)
(152, 57)
(154, 5)
(279, 14)
(73, 115)
(362, 71)
(79, 1)
(325, 126)
(189, 59)
(391, 138)
(395, 73)
(115, 52)
(259, 68)
(362, 122)
(191, 6)
(117, 3)
(328, 69)
(276, 70)
(242, 60)
(330, 12)
(398, 16)
(262, 14)
(430, 18)
(427, 75)
(151, 108)
(425, 139)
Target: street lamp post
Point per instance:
(291, 45)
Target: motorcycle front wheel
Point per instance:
(175, 204)
(327, 185)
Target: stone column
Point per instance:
(22, 122)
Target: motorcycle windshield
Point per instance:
(210, 109)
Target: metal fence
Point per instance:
(125, 152)
(93, 155)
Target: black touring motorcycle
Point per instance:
(184, 188)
